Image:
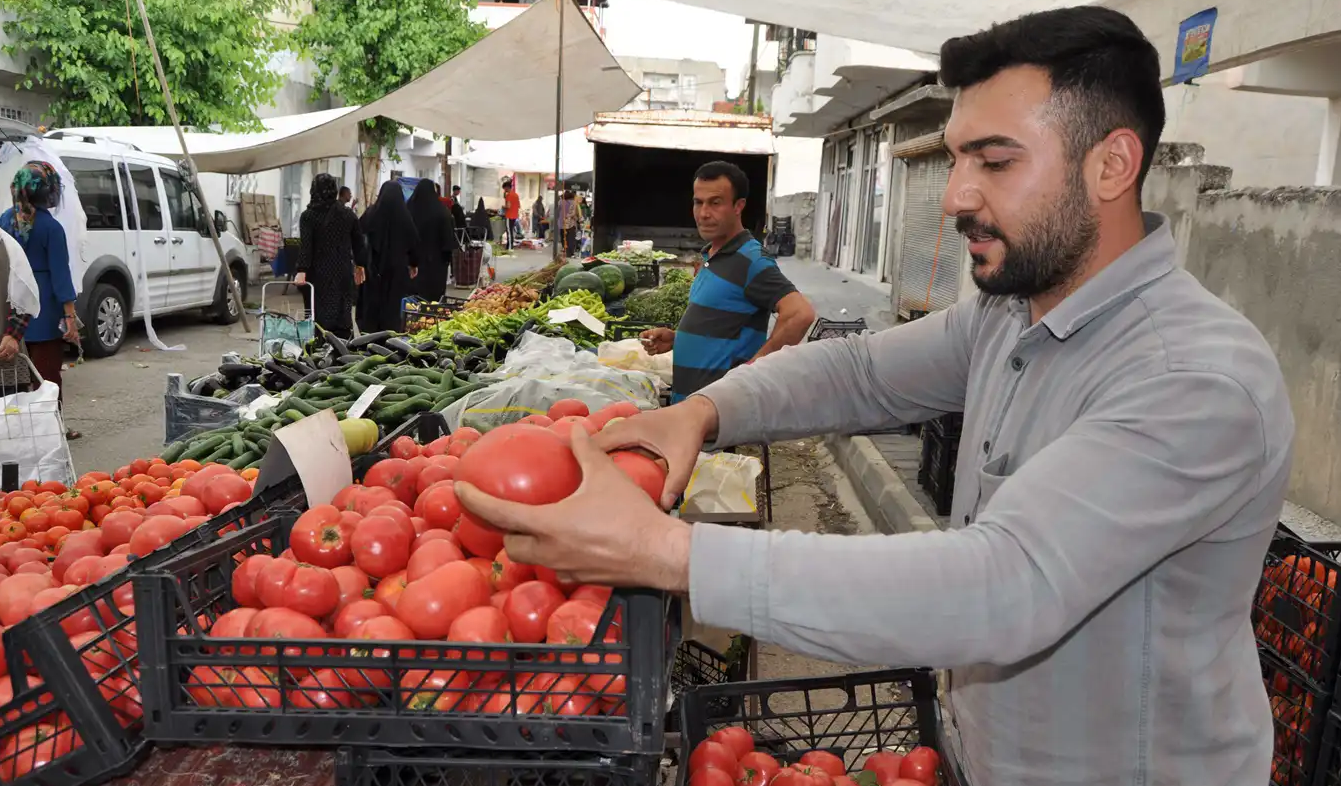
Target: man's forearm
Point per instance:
(789, 331)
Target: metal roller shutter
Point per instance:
(929, 240)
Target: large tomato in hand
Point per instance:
(430, 557)
(713, 754)
(394, 474)
(920, 764)
(528, 609)
(521, 463)
(225, 490)
(643, 470)
(430, 605)
(381, 546)
(885, 765)
(507, 574)
(304, 588)
(478, 538)
(437, 505)
(321, 538)
(565, 427)
(567, 408)
(33, 748)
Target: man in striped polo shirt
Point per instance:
(733, 295)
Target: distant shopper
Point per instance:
(538, 217)
(437, 240)
(458, 212)
(331, 253)
(511, 212)
(346, 196)
(14, 306)
(479, 222)
(569, 221)
(734, 294)
(394, 262)
(36, 190)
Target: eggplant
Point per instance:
(369, 338)
(315, 376)
(380, 349)
(521, 331)
(427, 346)
(466, 340)
(346, 360)
(233, 370)
(337, 344)
(401, 345)
(283, 372)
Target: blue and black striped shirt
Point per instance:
(726, 323)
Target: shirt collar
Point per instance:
(732, 246)
(1147, 261)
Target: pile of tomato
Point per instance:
(395, 558)
(729, 758)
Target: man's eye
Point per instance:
(996, 166)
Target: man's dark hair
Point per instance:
(345, 190)
(715, 170)
(1104, 71)
(455, 189)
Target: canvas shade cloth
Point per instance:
(502, 88)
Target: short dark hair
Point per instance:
(456, 188)
(1104, 71)
(716, 170)
(345, 190)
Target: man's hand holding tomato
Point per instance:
(675, 433)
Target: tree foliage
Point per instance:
(216, 56)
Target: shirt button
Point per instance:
(987, 447)
(1016, 363)
(966, 518)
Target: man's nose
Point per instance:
(962, 195)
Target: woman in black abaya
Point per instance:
(479, 220)
(437, 240)
(393, 243)
(330, 255)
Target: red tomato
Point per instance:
(756, 768)
(244, 580)
(321, 537)
(443, 691)
(739, 740)
(75, 623)
(564, 427)
(80, 571)
(458, 449)
(843, 780)
(825, 761)
(434, 474)
(348, 619)
(225, 490)
(234, 624)
(158, 531)
(466, 434)
(283, 623)
(434, 535)
(354, 584)
(920, 764)
(363, 499)
(404, 448)
(17, 594)
(507, 574)
(525, 464)
(438, 507)
(801, 775)
(124, 697)
(713, 754)
(118, 526)
(24, 556)
(210, 686)
(33, 748)
(499, 599)
(437, 447)
(317, 691)
(432, 556)
(644, 471)
(389, 590)
(187, 506)
(72, 553)
(39, 567)
(548, 576)
(256, 688)
(567, 408)
(573, 623)
(308, 589)
(572, 696)
(711, 776)
(480, 625)
(394, 474)
(397, 511)
(98, 654)
(478, 538)
(601, 597)
(885, 765)
(543, 421)
(381, 546)
(430, 605)
(528, 609)
(195, 485)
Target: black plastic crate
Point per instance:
(649, 274)
(1298, 716)
(417, 315)
(423, 428)
(90, 690)
(1329, 760)
(1296, 614)
(950, 425)
(197, 586)
(832, 328)
(455, 767)
(936, 472)
(697, 666)
(849, 715)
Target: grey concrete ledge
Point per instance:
(892, 507)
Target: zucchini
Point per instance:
(243, 460)
(383, 372)
(174, 451)
(419, 390)
(327, 390)
(203, 448)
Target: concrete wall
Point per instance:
(709, 82)
(1271, 253)
(801, 208)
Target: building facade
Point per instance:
(675, 84)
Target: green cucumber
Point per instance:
(238, 445)
(299, 390)
(173, 452)
(368, 364)
(218, 455)
(402, 411)
(302, 406)
(355, 387)
(203, 448)
(244, 460)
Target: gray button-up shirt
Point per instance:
(1122, 467)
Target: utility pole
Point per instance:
(754, 72)
(556, 226)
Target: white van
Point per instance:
(179, 260)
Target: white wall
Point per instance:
(798, 167)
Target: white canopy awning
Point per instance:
(685, 129)
(532, 155)
(502, 88)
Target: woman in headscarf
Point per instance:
(394, 262)
(330, 256)
(538, 217)
(437, 240)
(479, 221)
(36, 190)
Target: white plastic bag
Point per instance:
(631, 355)
(722, 483)
(32, 435)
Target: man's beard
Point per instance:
(1053, 246)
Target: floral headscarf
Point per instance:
(324, 190)
(35, 186)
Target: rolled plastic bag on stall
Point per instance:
(631, 355)
(723, 483)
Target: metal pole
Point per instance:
(754, 71)
(195, 176)
(557, 226)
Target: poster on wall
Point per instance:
(1192, 58)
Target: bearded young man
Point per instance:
(1126, 446)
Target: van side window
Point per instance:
(96, 183)
(146, 196)
(181, 202)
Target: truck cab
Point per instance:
(147, 246)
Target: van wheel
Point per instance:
(105, 322)
(226, 311)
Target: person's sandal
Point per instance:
(71, 435)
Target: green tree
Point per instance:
(364, 49)
(92, 56)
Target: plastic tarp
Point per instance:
(502, 88)
(684, 130)
(918, 25)
(533, 155)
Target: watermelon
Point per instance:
(630, 275)
(583, 280)
(568, 269)
(613, 279)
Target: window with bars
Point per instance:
(20, 115)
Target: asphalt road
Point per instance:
(117, 402)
